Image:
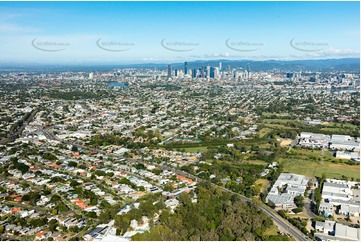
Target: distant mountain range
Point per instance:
(345, 64)
(349, 64)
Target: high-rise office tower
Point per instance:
(216, 72)
(220, 66)
(185, 68)
(248, 72)
(169, 70)
(175, 72)
(229, 70)
(211, 73)
(91, 75)
(194, 73)
(208, 71)
(203, 72)
(180, 73)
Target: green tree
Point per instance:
(299, 201)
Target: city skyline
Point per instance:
(159, 32)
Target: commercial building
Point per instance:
(344, 142)
(343, 195)
(331, 230)
(285, 189)
(169, 70)
(312, 140)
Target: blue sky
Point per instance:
(132, 32)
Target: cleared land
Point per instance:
(285, 142)
(300, 125)
(314, 168)
(263, 132)
(196, 149)
(279, 121)
(255, 162)
(263, 183)
(271, 230)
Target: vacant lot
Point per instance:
(263, 132)
(196, 149)
(309, 154)
(262, 183)
(255, 162)
(299, 125)
(271, 230)
(285, 142)
(278, 126)
(314, 168)
(278, 121)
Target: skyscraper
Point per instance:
(208, 72)
(248, 72)
(203, 72)
(229, 70)
(169, 70)
(220, 66)
(194, 73)
(216, 72)
(175, 72)
(185, 68)
(211, 73)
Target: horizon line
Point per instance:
(104, 63)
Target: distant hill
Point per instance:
(345, 64)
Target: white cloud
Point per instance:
(332, 52)
(11, 28)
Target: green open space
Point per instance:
(314, 168)
(264, 131)
(299, 126)
(271, 230)
(340, 125)
(278, 121)
(262, 183)
(255, 162)
(278, 126)
(200, 149)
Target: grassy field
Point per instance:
(278, 126)
(263, 183)
(309, 163)
(315, 155)
(271, 230)
(263, 132)
(278, 121)
(314, 168)
(324, 124)
(339, 130)
(196, 149)
(326, 127)
(255, 162)
(339, 125)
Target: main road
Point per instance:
(280, 222)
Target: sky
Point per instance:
(165, 32)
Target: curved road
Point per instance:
(277, 219)
(280, 222)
